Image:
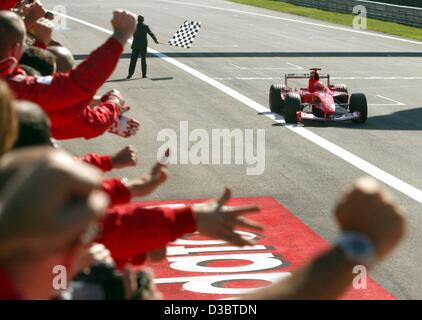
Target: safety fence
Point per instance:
(411, 16)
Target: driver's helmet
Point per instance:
(315, 75)
(319, 86)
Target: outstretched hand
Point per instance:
(148, 183)
(215, 219)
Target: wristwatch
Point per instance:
(358, 248)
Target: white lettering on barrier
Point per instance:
(185, 242)
(209, 284)
(260, 261)
(181, 250)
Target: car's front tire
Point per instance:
(276, 104)
(358, 103)
(293, 105)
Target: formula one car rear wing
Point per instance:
(305, 76)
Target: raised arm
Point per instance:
(66, 90)
(372, 226)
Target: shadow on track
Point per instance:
(162, 79)
(123, 80)
(403, 120)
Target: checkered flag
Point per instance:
(186, 34)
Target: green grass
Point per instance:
(338, 18)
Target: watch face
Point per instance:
(358, 248)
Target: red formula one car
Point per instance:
(318, 102)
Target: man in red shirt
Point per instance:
(50, 209)
(88, 119)
(129, 229)
(71, 92)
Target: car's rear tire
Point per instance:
(276, 104)
(358, 103)
(293, 105)
(341, 88)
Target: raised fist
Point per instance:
(127, 157)
(43, 30)
(124, 25)
(368, 209)
(32, 13)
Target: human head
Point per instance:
(34, 126)
(64, 58)
(141, 19)
(40, 59)
(13, 33)
(49, 215)
(8, 119)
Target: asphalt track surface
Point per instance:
(247, 49)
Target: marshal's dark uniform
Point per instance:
(139, 47)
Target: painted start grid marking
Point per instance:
(336, 150)
(292, 67)
(202, 268)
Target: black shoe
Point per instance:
(144, 76)
(129, 77)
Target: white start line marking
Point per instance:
(292, 67)
(336, 150)
(396, 103)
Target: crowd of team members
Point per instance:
(59, 210)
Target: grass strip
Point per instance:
(337, 18)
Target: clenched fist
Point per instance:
(43, 30)
(127, 157)
(32, 13)
(368, 209)
(124, 25)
